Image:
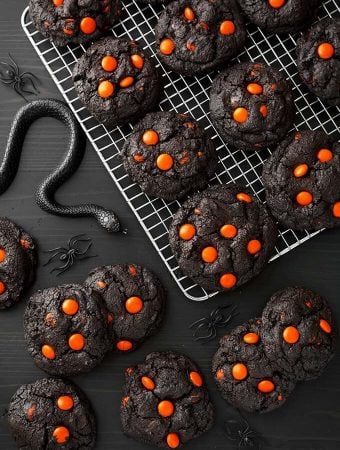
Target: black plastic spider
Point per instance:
(10, 75)
(70, 254)
(239, 430)
(208, 325)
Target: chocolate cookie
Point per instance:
(252, 105)
(222, 237)
(302, 181)
(318, 59)
(72, 21)
(116, 82)
(135, 299)
(51, 413)
(299, 332)
(280, 16)
(169, 155)
(17, 262)
(66, 329)
(199, 35)
(243, 373)
(165, 401)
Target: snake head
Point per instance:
(109, 220)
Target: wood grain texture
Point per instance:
(310, 418)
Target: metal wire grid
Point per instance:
(186, 95)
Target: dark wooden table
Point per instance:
(309, 420)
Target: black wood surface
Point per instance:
(310, 418)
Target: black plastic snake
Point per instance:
(74, 155)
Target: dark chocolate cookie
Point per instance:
(66, 329)
(302, 181)
(222, 237)
(73, 21)
(195, 36)
(298, 332)
(116, 81)
(169, 155)
(243, 373)
(17, 262)
(318, 59)
(135, 299)
(49, 414)
(252, 105)
(165, 401)
(280, 16)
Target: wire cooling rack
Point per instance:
(186, 95)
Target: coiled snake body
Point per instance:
(74, 155)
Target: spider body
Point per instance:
(10, 75)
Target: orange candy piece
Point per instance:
(150, 137)
(254, 246)
(227, 27)
(2, 255)
(324, 155)
(124, 346)
(325, 50)
(266, 386)
(239, 371)
(137, 61)
(61, 435)
(254, 88)
(134, 305)
(209, 254)
(65, 402)
(109, 63)
(148, 383)
(336, 209)
(240, 115)
(228, 280)
(189, 14)
(70, 306)
(76, 342)
(304, 198)
(219, 374)
(58, 2)
(126, 82)
(2, 287)
(88, 25)
(167, 46)
(325, 326)
(243, 197)
(291, 335)
(172, 440)
(196, 379)
(106, 89)
(228, 231)
(301, 170)
(165, 408)
(25, 244)
(264, 110)
(48, 351)
(276, 3)
(187, 231)
(164, 161)
(101, 284)
(251, 338)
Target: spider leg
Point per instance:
(74, 239)
(35, 90)
(18, 90)
(82, 252)
(7, 81)
(197, 322)
(15, 65)
(64, 250)
(52, 257)
(82, 258)
(66, 266)
(201, 326)
(228, 318)
(209, 337)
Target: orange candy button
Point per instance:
(65, 402)
(76, 342)
(228, 280)
(109, 63)
(276, 3)
(2, 287)
(126, 82)
(58, 2)
(264, 110)
(150, 137)
(336, 209)
(101, 284)
(291, 335)
(148, 383)
(239, 371)
(106, 89)
(301, 170)
(196, 379)
(70, 306)
(164, 161)
(228, 231)
(48, 351)
(325, 326)
(254, 88)
(134, 305)
(227, 27)
(266, 386)
(88, 25)
(25, 244)
(209, 254)
(254, 246)
(242, 197)
(165, 408)
(219, 374)
(187, 231)
(324, 155)
(167, 46)
(251, 338)
(61, 435)
(240, 115)
(124, 346)
(137, 61)
(2, 255)
(189, 14)
(325, 50)
(172, 440)
(304, 198)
